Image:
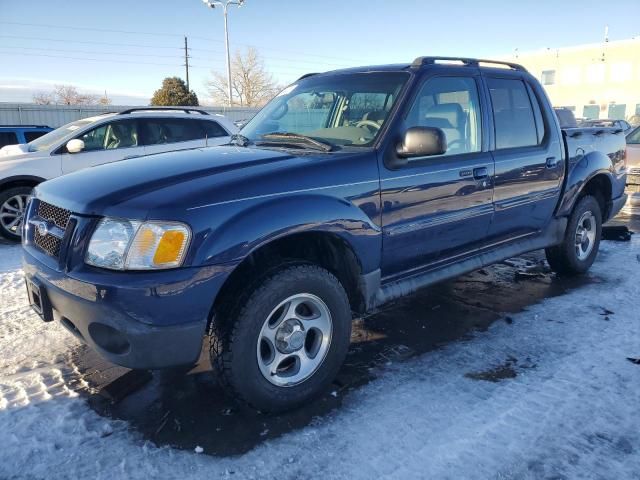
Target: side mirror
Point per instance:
(74, 146)
(422, 141)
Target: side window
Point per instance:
(212, 129)
(8, 138)
(94, 138)
(31, 136)
(172, 130)
(451, 104)
(513, 114)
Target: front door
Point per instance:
(438, 207)
(106, 143)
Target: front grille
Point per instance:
(633, 179)
(634, 171)
(48, 243)
(60, 217)
(57, 215)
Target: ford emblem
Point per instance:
(42, 228)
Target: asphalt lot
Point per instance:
(181, 408)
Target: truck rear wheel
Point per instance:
(286, 340)
(579, 249)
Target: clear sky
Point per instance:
(127, 47)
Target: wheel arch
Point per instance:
(20, 181)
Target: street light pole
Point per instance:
(225, 7)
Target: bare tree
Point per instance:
(251, 84)
(43, 98)
(69, 95)
(104, 100)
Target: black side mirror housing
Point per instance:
(421, 142)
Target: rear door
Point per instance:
(106, 143)
(529, 164)
(437, 207)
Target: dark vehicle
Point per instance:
(620, 124)
(565, 117)
(349, 189)
(15, 134)
(633, 161)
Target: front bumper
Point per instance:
(141, 320)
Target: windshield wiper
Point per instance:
(240, 140)
(296, 139)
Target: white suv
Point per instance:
(96, 140)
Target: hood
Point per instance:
(14, 150)
(172, 181)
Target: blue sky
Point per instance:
(293, 36)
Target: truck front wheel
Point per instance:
(286, 339)
(579, 249)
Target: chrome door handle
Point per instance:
(480, 173)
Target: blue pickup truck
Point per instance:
(349, 189)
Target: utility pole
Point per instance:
(225, 7)
(186, 60)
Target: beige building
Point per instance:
(595, 81)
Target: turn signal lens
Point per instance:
(158, 245)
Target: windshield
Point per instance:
(339, 110)
(47, 141)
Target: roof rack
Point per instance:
(467, 62)
(25, 126)
(178, 109)
(306, 75)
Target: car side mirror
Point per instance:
(74, 146)
(421, 142)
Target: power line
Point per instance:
(105, 60)
(106, 30)
(89, 42)
(94, 52)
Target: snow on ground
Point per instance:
(571, 411)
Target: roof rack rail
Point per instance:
(469, 62)
(178, 109)
(26, 125)
(306, 75)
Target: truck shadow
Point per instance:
(187, 409)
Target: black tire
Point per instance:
(13, 235)
(234, 337)
(564, 258)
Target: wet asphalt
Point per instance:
(185, 408)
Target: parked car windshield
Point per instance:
(47, 141)
(341, 109)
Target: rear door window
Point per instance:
(8, 138)
(159, 131)
(513, 114)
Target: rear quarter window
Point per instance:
(31, 136)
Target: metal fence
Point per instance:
(57, 115)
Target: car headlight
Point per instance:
(132, 245)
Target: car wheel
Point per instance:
(287, 338)
(13, 203)
(579, 249)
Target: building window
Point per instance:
(616, 111)
(548, 77)
(591, 112)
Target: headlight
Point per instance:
(132, 245)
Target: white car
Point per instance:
(96, 140)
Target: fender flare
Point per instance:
(260, 224)
(21, 178)
(581, 173)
